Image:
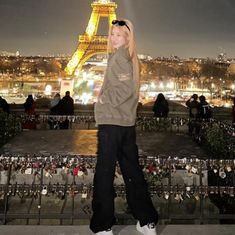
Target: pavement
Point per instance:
(84, 142)
(119, 230)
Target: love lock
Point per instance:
(222, 173)
(188, 188)
(196, 195)
(28, 171)
(84, 195)
(80, 173)
(44, 190)
(48, 174)
(178, 197)
(188, 167)
(231, 191)
(194, 170)
(166, 195)
(228, 168)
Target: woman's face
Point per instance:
(118, 37)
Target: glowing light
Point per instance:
(85, 97)
(144, 87)
(191, 85)
(4, 91)
(170, 85)
(77, 73)
(91, 27)
(85, 75)
(103, 1)
(48, 90)
(90, 83)
(161, 85)
(152, 85)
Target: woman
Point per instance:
(29, 105)
(115, 114)
(160, 107)
(29, 109)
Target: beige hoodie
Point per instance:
(117, 101)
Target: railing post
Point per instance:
(40, 197)
(6, 196)
(169, 191)
(200, 193)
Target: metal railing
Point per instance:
(59, 187)
(204, 190)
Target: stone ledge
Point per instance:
(119, 230)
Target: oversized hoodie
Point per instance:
(117, 101)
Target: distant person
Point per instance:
(161, 107)
(54, 110)
(204, 108)
(193, 106)
(54, 105)
(29, 105)
(4, 106)
(115, 115)
(29, 108)
(66, 107)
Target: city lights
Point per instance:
(177, 78)
(48, 90)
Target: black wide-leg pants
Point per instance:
(118, 143)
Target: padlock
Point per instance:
(166, 195)
(44, 190)
(84, 195)
(194, 170)
(196, 196)
(222, 174)
(75, 171)
(28, 171)
(228, 168)
(188, 188)
(231, 191)
(80, 173)
(188, 167)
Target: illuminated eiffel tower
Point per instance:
(90, 44)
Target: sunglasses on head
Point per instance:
(120, 23)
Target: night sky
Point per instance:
(186, 28)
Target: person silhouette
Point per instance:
(160, 107)
(115, 115)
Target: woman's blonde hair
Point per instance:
(129, 31)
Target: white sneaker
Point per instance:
(148, 229)
(106, 232)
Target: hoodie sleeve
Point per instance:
(121, 84)
(118, 93)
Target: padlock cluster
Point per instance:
(177, 192)
(160, 166)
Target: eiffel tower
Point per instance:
(90, 44)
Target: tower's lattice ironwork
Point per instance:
(90, 43)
